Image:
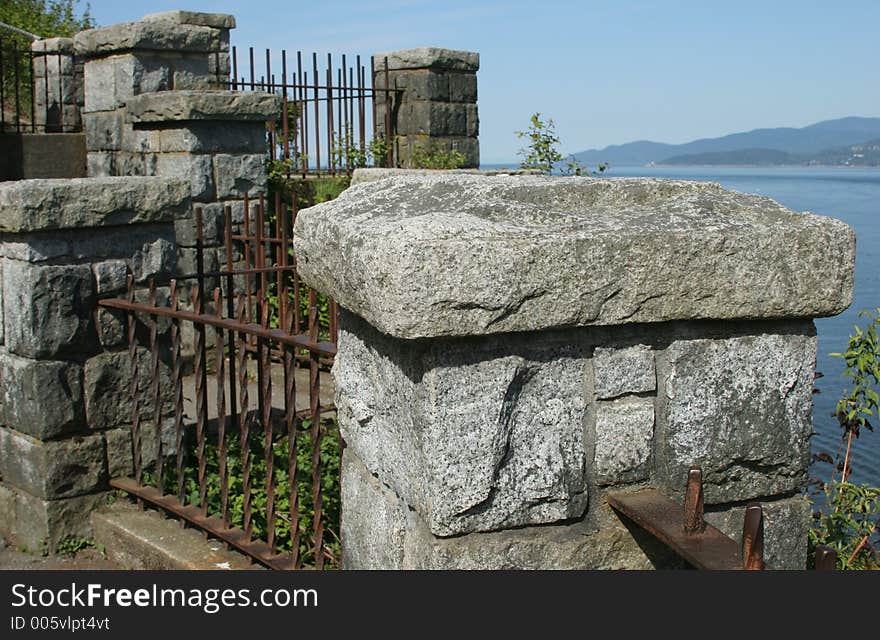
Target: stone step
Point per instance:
(143, 539)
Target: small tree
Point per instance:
(541, 153)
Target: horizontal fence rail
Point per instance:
(254, 461)
(327, 122)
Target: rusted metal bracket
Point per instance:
(684, 530)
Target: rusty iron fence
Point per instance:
(21, 108)
(684, 530)
(255, 466)
(327, 123)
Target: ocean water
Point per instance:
(851, 195)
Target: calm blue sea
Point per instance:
(851, 195)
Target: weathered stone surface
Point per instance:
(216, 20)
(786, 529)
(155, 260)
(7, 509)
(52, 45)
(212, 225)
(740, 407)
(373, 174)
(380, 532)
(624, 440)
(35, 205)
(111, 326)
(120, 452)
(428, 58)
(169, 106)
(463, 87)
(99, 80)
(55, 468)
(48, 309)
(433, 119)
(110, 276)
(373, 520)
(619, 371)
(240, 175)
(197, 170)
(475, 436)
(107, 384)
(213, 137)
(41, 398)
(419, 85)
(35, 248)
(158, 35)
(104, 130)
(456, 254)
(42, 524)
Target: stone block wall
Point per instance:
(176, 50)
(65, 372)
(536, 343)
(58, 85)
(433, 103)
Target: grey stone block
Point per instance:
(100, 164)
(433, 119)
(52, 469)
(472, 121)
(197, 170)
(120, 453)
(111, 325)
(417, 85)
(104, 130)
(43, 399)
(52, 45)
(7, 509)
(786, 530)
(427, 58)
(740, 407)
(37, 205)
(156, 260)
(216, 20)
(48, 309)
(455, 254)
(99, 80)
(380, 532)
(475, 436)
(624, 440)
(212, 226)
(240, 175)
(373, 520)
(214, 137)
(181, 106)
(108, 378)
(43, 524)
(111, 276)
(619, 371)
(35, 248)
(463, 87)
(156, 35)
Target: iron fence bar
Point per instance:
(211, 525)
(244, 421)
(220, 363)
(177, 389)
(2, 91)
(154, 389)
(230, 310)
(133, 389)
(315, 406)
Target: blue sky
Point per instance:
(606, 71)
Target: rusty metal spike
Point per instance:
(753, 538)
(693, 502)
(826, 558)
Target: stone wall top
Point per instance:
(216, 20)
(165, 106)
(428, 58)
(371, 174)
(42, 205)
(156, 35)
(457, 254)
(52, 45)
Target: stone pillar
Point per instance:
(434, 103)
(65, 372)
(512, 348)
(216, 141)
(58, 86)
(177, 50)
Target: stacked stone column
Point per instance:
(177, 50)
(432, 104)
(58, 86)
(514, 348)
(65, 405)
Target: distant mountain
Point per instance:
(866, 154)
(813, 139)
